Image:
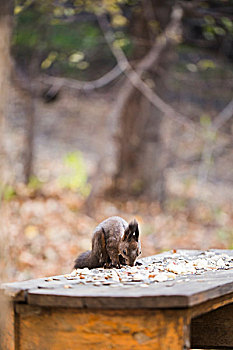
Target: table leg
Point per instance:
(7, 324)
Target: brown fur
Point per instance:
(114, 242)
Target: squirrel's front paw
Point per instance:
(116, 264)
(107, 265)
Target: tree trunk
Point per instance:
(141, 161)
(6, 8)
(20, 127)
(15, 153)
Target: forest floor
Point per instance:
(44, 234)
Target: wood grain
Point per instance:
(197, 290)
(213, 330)
(62, 328)
(7, 324)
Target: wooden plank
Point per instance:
(196, 290)
(7, 325)
(62, 328)
(210, 305)
(87, 300)
(17, 291)
(213, 330)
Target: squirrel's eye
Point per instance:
(124, 252)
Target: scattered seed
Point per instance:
(162, 269)
(97, 284)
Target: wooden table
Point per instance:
(197, 313)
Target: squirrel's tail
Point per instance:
(83, 260)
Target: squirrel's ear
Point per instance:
(126, 234)
(133, 231)
(136, 233)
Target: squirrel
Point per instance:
(114, 243)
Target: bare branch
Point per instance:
(58, 82)
(206, 160)
(223, 116)
(148, 12)
(168, 37)
(159, 103)
(208, 148)
(219, 152)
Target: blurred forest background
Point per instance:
(113, 107)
